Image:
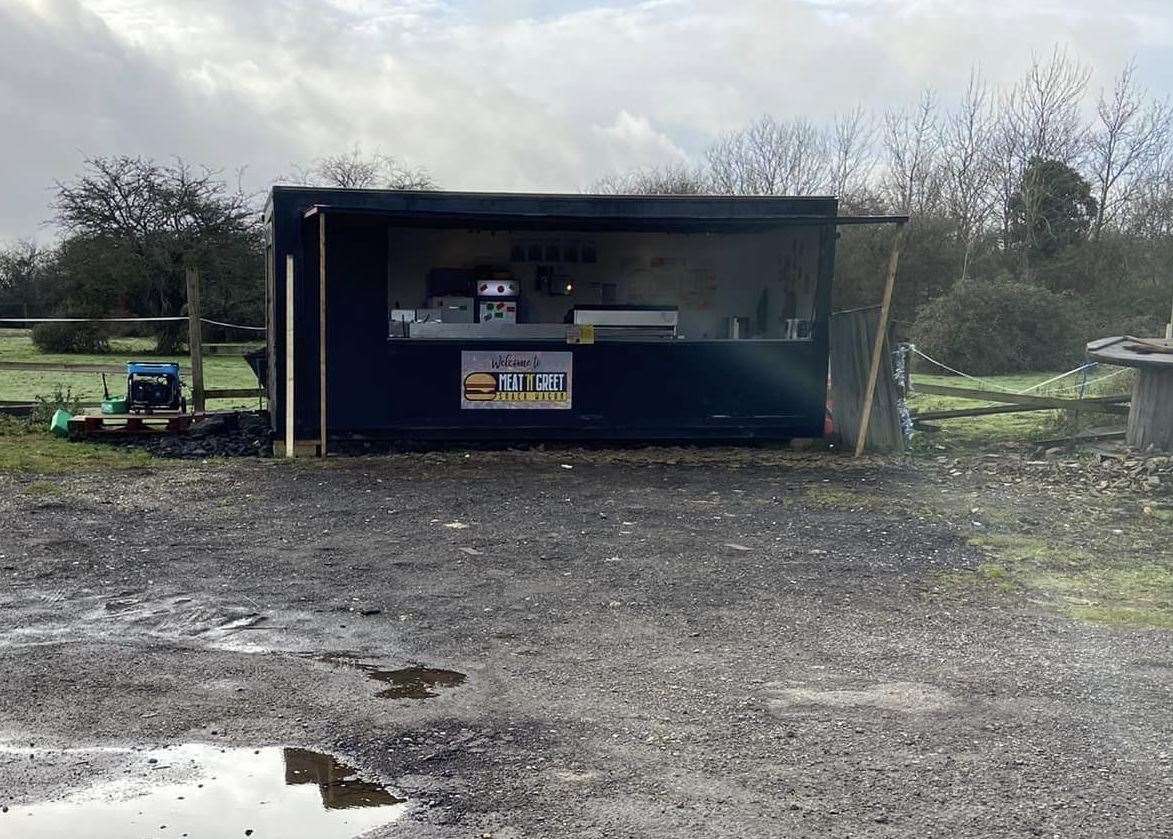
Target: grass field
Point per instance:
(1019, 427)
(233, 372)
(22, 450)
(17, 345)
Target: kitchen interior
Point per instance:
(467, 285)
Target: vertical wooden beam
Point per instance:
(322, 332)
(1150, 418)
(289, 355)
(195, 340)
(865, 420)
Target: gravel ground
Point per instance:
(656, 643)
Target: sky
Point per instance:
(537, 95)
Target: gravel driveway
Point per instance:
(654, 643)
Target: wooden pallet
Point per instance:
(100, 425)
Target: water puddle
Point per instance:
(206, 792)
(416, 682)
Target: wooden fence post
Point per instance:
(195, 340)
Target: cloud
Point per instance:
(493, 94)
(632, 141)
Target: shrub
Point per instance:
(71, 337)
(1000, 325)
(11, 426)
(38, 420)
(1150, 325)
(65, 400)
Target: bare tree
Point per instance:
(731, 165)
(21, 266)
(672, 179)
(851, 152)
(1151, 212)
(1039, 117)
(1130, 135)
(166, 217)
(356, 169)
(771, 157)
(966, 169)
(140, 201)
(1047, 106)
(912, 179)
(1007, 157)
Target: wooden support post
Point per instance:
(1150, 422)
(195, 340)
(322, 333)
(881, 333)
(289, 355)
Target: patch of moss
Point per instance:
(832, 495)
(996, 574)
(42, 489)
(1127, 616)
(1015, 549)
(1081, 584)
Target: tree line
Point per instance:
(1034, 205)
(1042, 214)
(130, 229)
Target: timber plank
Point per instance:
(1018, 398)
(233, 392)
(1100, 407)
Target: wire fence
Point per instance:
(165, 319)
(1079, 387)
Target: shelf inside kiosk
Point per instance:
(446, 284)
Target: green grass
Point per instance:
(1124, 616)
(1091, 586)
(17, 345)
(839, 497)
(1016, 550)
(1028, 426)
(997, 575)
(47, 455)
(43, 489)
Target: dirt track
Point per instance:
(655, 644)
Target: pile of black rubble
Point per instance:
(240, 434)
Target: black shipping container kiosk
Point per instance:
(409, 315)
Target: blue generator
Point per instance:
(154, 387)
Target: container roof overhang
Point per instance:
(542, 211)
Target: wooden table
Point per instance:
(1150, 419)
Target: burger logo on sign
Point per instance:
(480, 387)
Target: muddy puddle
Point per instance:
(416, 682)
(204, 792)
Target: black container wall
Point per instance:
(655, 390)
(719, 390)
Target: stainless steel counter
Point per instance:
(436, 331)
